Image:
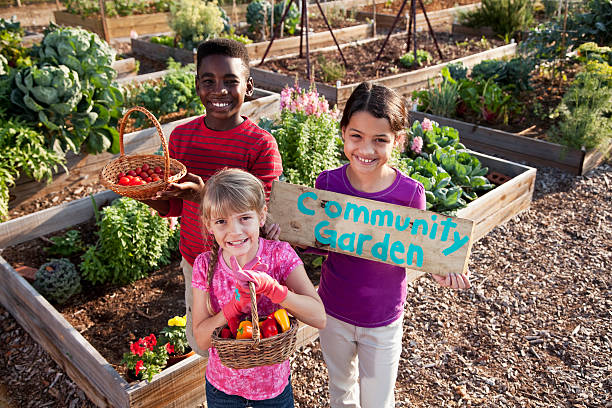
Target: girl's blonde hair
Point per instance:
(229, 191)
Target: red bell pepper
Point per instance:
(226, 333)
(233, 325)
(268, 327)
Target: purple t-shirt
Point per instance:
(359, 291)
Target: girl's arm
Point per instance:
(203, 323)
(302, 299)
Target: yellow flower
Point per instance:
(177, 321)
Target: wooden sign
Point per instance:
(419, 240)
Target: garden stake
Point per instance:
(411, 28)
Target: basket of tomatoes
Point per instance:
(259, 341)
(141, 176)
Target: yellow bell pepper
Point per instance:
(282, 318)
(245, 330)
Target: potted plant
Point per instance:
(175, 337)
(146, 357)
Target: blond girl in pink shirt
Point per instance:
(233, 209)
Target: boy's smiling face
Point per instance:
(222, 84)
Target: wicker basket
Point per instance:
(108, 175)
(256, 352)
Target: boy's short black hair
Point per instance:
(224, 46)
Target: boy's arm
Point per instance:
(267, 163)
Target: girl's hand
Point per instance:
(264, 284)
(453, 280)
(271, 231)
(240, 304)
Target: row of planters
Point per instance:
(307, 132)
(551, 106)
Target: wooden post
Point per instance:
(373, 18)
(104, 26)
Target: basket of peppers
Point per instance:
(261, 341)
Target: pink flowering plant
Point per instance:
(307, 133)
(147, 357)
(427, 136)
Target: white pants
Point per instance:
(187, 273)
(362, 363)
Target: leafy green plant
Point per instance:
(132, 241)
(594, 25)
(505, 17)
(292, 19)
(70, 91)
(257, 16)
(457, 70)
(23, 151)
(592, 52)
(166, 40)
(175, 334)
(66, 245)
(231, 34)
(11, 49)
(513, 74)
(195, 21)
(422, 56)
(585, 113)
(176, 91)
(440, 100)
(331, 70)
(57, 280)
(116, 8)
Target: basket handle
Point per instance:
(254, 315)
(160, 132)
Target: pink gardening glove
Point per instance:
(264, 284)
(240, 304)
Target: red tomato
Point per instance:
(138, 170)
(137, 182)
(143, 175)
(132, 173)
(158, 170)
(155, 177)
(148, 179)
(121, 174)
(145, 167)
(150, 172)
(124, 181)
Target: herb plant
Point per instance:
(505, 17)
(66, 245)
(195, 21)
(23, 152)
(408, 61)
(132, 241)
(331, 70)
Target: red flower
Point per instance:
(151, 341)
(169, 348)
(137, 348)
(138, 366)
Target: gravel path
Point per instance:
(534, 331)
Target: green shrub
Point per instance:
(132, 241)
(505, 17)
(440, 100)
(331, 70)
(257, 16)
(57, 280)
(66, 245)
(114, 8)
(11, 49)
(23, 152)
(195, 21)
(291, 20)
(585, 112)
(513, 74)
(457, 70)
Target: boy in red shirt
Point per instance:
(220, 138)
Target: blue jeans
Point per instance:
(218, 399)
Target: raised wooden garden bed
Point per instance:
(281, 46)
(404, 83)
(85, 167)
(117, 26)
(521, 148)
(440, 20)
(181, 385)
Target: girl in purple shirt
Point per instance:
(364, 300)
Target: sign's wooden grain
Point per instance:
(369, 229)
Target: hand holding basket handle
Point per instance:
(264, 284)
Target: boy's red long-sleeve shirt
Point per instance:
(204, 151)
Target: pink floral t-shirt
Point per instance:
(257, 383)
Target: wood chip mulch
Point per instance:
(534, 330)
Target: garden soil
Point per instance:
(533, 331)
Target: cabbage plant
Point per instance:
(70, 91)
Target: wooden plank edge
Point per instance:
(594, 157)
(67, 347)
(51, 219)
